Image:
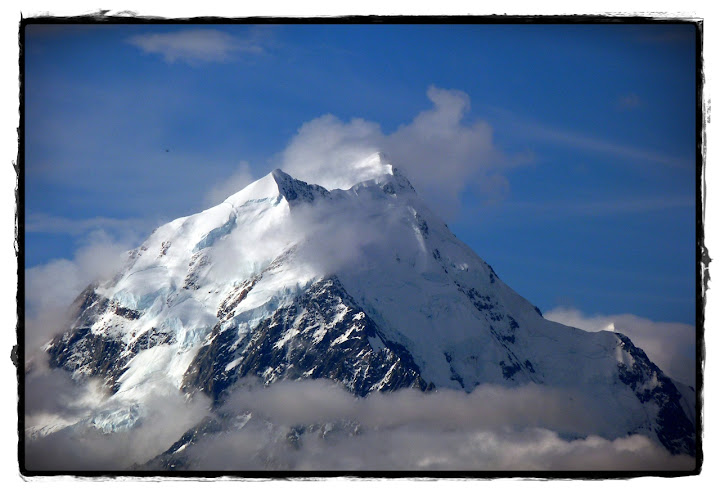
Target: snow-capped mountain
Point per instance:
(364, 286)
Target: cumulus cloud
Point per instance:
(195, 45)
(325, 150)
(314, 425)
(50, 288)
(441, 153)
(670, 345)
(230, 185)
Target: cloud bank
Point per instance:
(194, 45)
(442, 154)
(77, 412)
(670, 345)
(317, 425)
(314, 425)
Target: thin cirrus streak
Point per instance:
(535, 131)
(44, 223)
(560, 209)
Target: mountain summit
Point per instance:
(364, 286)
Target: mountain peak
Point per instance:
(280, 175)
(277, 184)
(372, 170)
(372, 292)
(296, 190)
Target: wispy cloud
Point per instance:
(594, 144)
(55, 400)
(50, 288)
(45, 223)
(229, 185)
(540, 132)
(195, 45)
(628, 101)
(622, 206)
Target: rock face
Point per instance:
(364, 286)
(321, 334)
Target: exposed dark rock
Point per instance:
(175, 458)
(297, 191)
(510, 370)
(198, 263)
(675, 431)
(164, 248)
(87, 354)
(330, 338)
(423, 226)
(480, 301)
(389, 189)
(125, 312)
(237, 295)
(150, 339)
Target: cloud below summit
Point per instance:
(488, 429)
(317, 425)
(442, 154)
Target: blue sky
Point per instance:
(568, 151)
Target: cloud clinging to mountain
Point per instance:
(442, 154)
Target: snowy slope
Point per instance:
(365, 286)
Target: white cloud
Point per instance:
(441, 153)
(306, 402)
(493, 428)
(50, 288)
(325, 150)
(194, 45)
(420, 449)
(326, 236)
(670, 345)
(52, 397)
(230, 185)
(628, 101)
